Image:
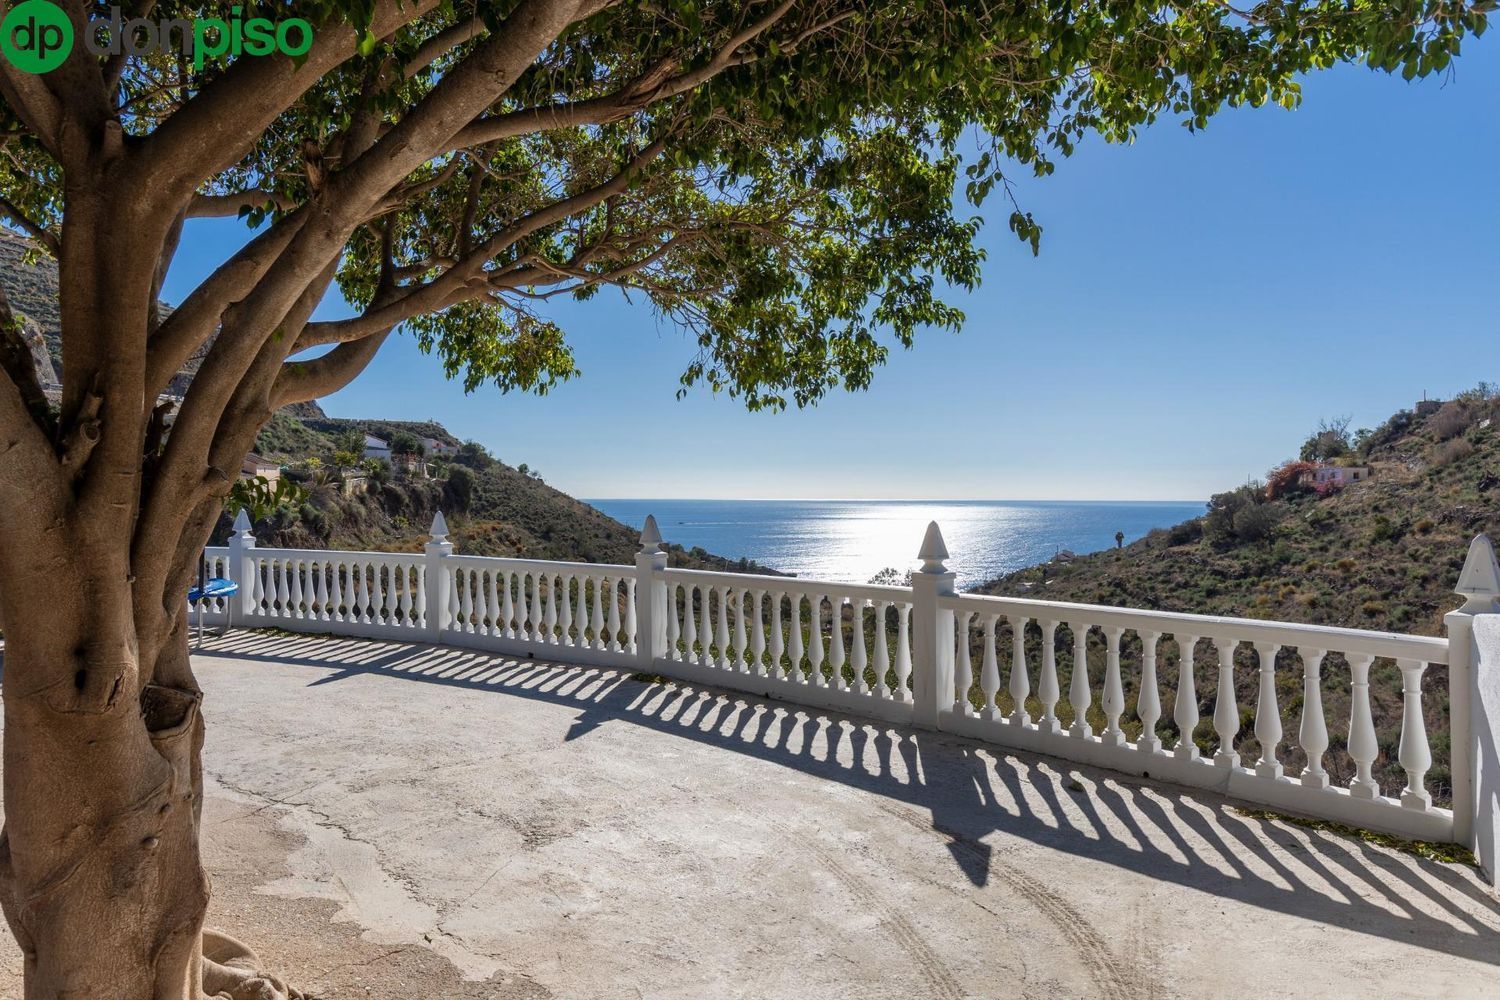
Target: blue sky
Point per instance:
(1200, 302)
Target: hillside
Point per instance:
(1383, 553)
(492, 509)
(1379, 554)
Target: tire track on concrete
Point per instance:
(1091, 946)
(924, 959)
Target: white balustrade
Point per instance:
(853, 648)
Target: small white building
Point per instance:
(377, 447)
(432, 446)
(1336, 475)
(256, 466)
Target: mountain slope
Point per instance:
(1380, 554)
(492, 509)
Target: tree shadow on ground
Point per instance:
(969, 790)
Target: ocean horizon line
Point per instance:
(946, 500)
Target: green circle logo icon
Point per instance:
(36, 36)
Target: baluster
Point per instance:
(596, 613)
(858, 658)
(336, 596)
(1148, 699)
(741, 662)
(1185, 709)
(705, 627)
(989, 673)
(537, 607)
(484, 600)
(1413, 752)
(359, 612)
(722, 628)
(903, 651)
(407, 601)
(689, 625)
(777, 642)
(1267, 712)
(580, 615)
(377, 596)
(522, 606)
(317, 601)
(549, 615)
(963, 664)
(474, 594)
(836, 657)
(815, 638)
(757, 635)
(614, 616)
(1114, 689)
(1314, 732)
(507, 609)
(672, 624)
(463, 583)
(492, 601)
(1362, 745)
(882, 652)
(297, 568)
(276, 601)
(417, 583)
(1049, 692)
(794, 651)
(1226, 707)
(1020, 684)
(630, 636)
(1079, 693)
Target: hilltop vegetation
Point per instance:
(1381, 554)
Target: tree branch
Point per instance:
(47, 239)
(218, 206)
(439, 293)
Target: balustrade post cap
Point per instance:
(1479, 581)
(242, 523)
(439, 530)
(933, 550)
(650, 534)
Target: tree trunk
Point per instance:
(99, 866)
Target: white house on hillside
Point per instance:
(432, 446)
(376, 447)
(1336, 475)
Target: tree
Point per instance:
(405, 443)
(1331, 440)
(350, 441)
(776, 176)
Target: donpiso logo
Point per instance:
(36, 36)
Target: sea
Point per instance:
(851, 541)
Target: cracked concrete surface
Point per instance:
(477, 826)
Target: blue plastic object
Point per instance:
(214, 586)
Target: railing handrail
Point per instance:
(790, 584)
(1428, 649)
(329, 555)
(553, 565)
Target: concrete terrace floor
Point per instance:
(393, 820)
